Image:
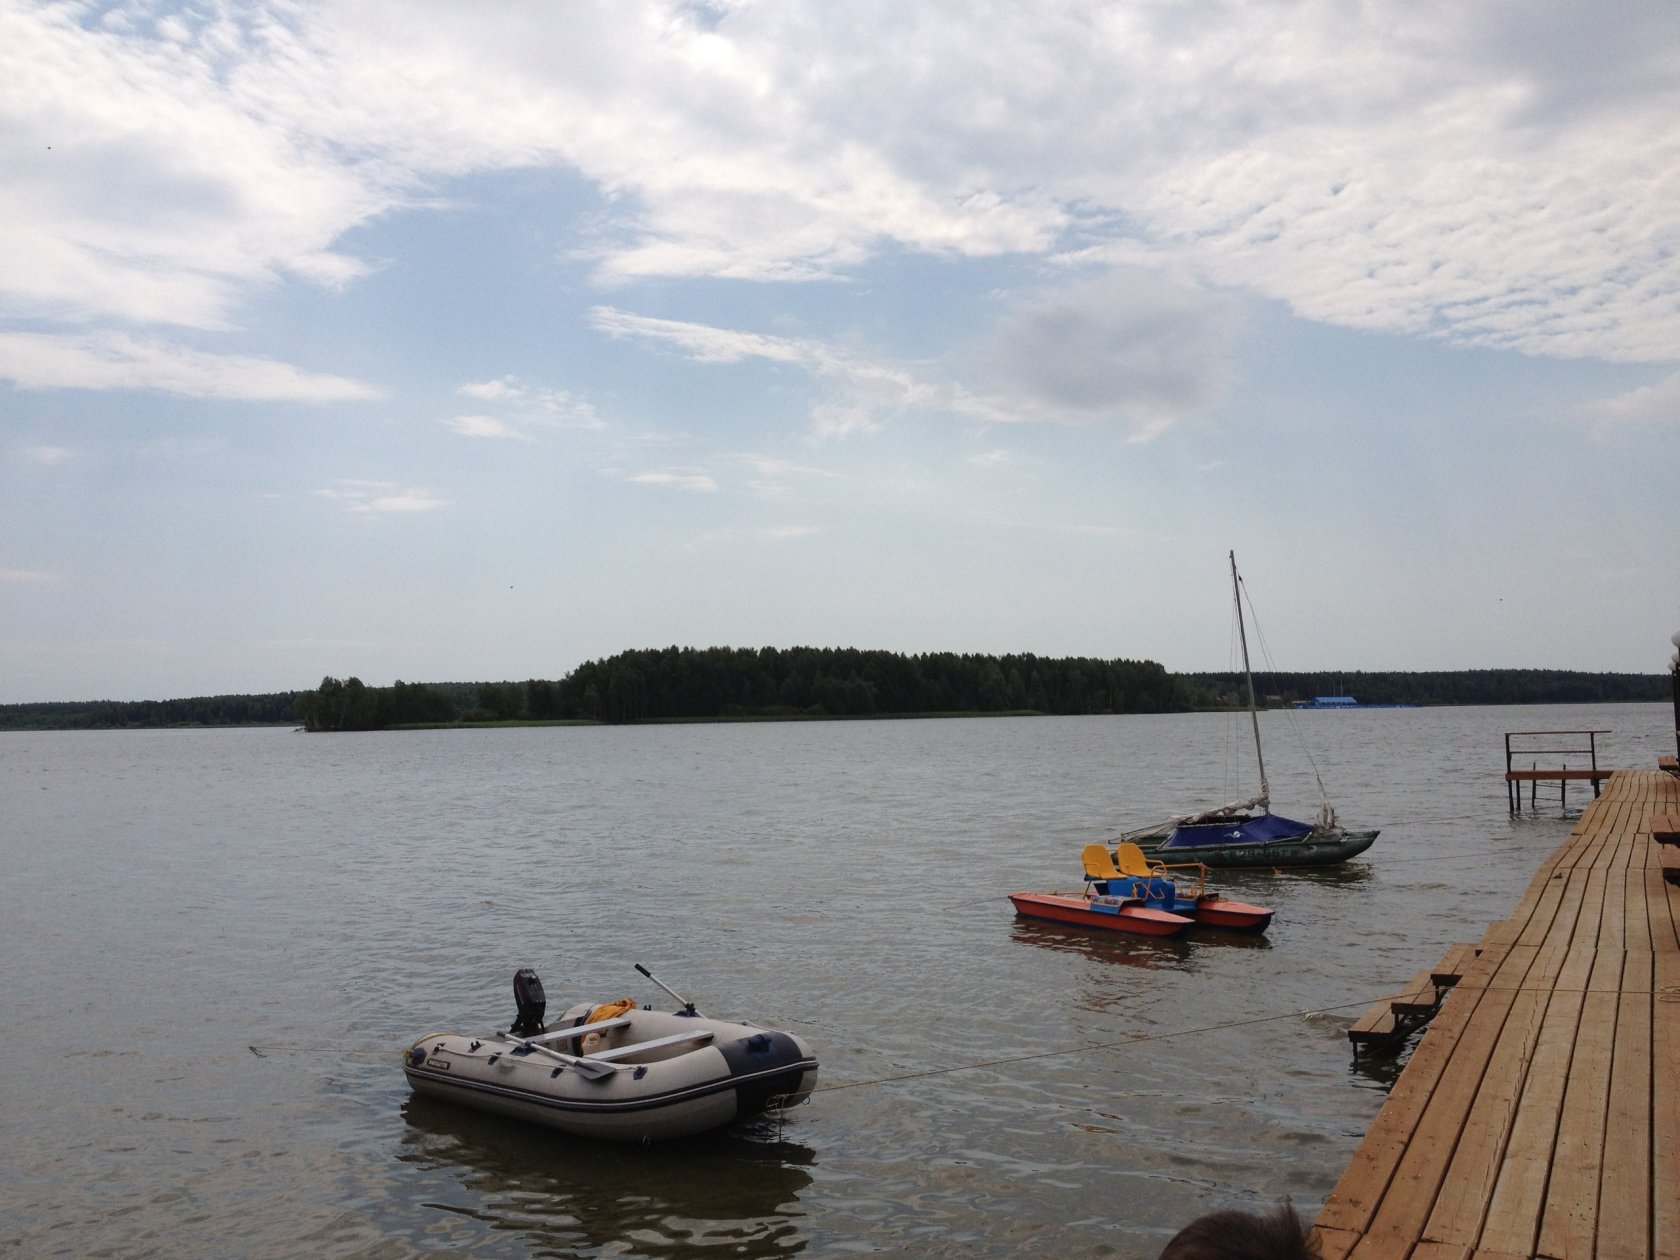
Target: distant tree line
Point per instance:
(1471, 686)
(664, 684)
(257, 710)
(351, 705)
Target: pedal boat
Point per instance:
(1100, 911)
(634, 1075)
(1127, 872)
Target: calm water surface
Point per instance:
(217, 942)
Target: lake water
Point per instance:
(217, 944)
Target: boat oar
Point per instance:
(589, 1069)
(686, 1004)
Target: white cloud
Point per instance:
(48, 456)
(699, 482)
(1493, 174)
(1649, 405)
(1389, 170)
(490, 391)
(1382, 166)
(843, 420)
(145, 178)
(380, 497)
(774, 466)
(704, 343)
(1129, 346)
(524, 408)
(28, 576)
(772, 534)
(405, 501)
(858, 394)
(772, 477)
(990, 459)
(771, 491)
(118, 361)
(479, 426)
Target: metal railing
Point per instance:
(1586, 746)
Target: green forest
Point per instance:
(677, 684)
(739, 684)
(271, 709)
(1469, 686)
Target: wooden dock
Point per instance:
(1539, 1115)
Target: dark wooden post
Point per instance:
(1674, 673)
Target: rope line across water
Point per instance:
(372, 1052)
(1136, 1039)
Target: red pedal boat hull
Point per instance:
(1233, 916)
(1130, 918)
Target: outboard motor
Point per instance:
(532, 1001)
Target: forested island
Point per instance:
(677, 684)
(743, 684)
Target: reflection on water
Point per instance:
(736, 1193)
(1381, 1066)
(1105, 948)
(1116, 949)
(1241, 884)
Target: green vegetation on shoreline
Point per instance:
(269, 709)
(688, 684)
(769, 684)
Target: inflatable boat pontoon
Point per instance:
(618, 1071)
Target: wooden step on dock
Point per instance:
(1451, 968)
(1390, 1020)
(1539, 1115)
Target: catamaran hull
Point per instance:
(1131, 919)
(1206, 910)
(746, 1070)
(1232, 916)
(1311, 850)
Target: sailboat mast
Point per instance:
(1253, 706)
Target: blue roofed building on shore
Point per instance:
(1344, 702)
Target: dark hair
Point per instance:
(1277, 1235)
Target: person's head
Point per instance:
(1234, 1235)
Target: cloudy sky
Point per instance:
(459, 341)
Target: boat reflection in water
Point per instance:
(1148, 953)
(1105, 972)
(736, 1193)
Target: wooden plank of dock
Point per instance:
(1539, 1115)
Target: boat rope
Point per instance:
(1135, 1039)
(384, 1052)
(1087, 1048)
(1480, 857)
(1294, 724)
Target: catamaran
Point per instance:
(1247, 833)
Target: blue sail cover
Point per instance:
(1263, 829)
